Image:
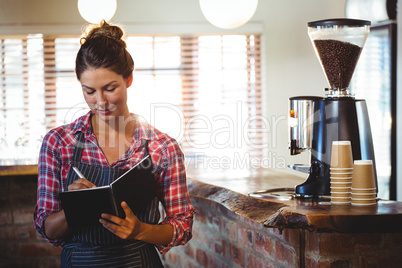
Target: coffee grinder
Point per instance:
(314, 122)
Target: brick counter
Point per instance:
(232, 229)
(223, 238)
(20, 245)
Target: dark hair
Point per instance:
(102, 46)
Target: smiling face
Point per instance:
(105, 92)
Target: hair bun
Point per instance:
(104, 30)
(103, 46)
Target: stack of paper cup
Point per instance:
(341, 172)
(363, 183)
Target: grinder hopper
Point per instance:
(338, 44)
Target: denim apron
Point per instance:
(95, 246)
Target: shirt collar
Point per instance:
(143, 131)
(83, 124)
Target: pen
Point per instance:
(78, 173)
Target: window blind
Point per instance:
(21, 93)
(205, 91)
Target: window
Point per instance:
(22, 117)
(205, 91)
(375, 81)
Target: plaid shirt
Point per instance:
(167, 158)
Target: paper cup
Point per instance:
(335, 183)
(341, 175)
(341, 169)
(371, 196)
(341, 155)
(363, 201)
(344, 195)
(340, 189)
(358, 203)
(363, 174)
(363, 190)
(341, 184)
(341, 179)
(340, 200)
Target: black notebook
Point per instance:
(136, 187)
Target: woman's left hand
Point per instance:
(127, 228)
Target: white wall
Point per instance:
(291, 68)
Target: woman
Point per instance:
(104, 143)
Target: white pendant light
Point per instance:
(372, 10)
(228, 14)
(94, 11)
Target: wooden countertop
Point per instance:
(314, 215)
(231, 188)
(18, 170)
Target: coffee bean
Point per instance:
(339, 60)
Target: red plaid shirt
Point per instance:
(167, 158)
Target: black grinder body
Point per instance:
(336, 119)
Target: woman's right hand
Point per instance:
(56, 225)
(81, 184)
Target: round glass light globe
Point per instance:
(94, 11)
(228, 14)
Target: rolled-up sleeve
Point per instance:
(49, 185)
(174, 195)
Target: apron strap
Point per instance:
(79, 147)
(146, 150)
